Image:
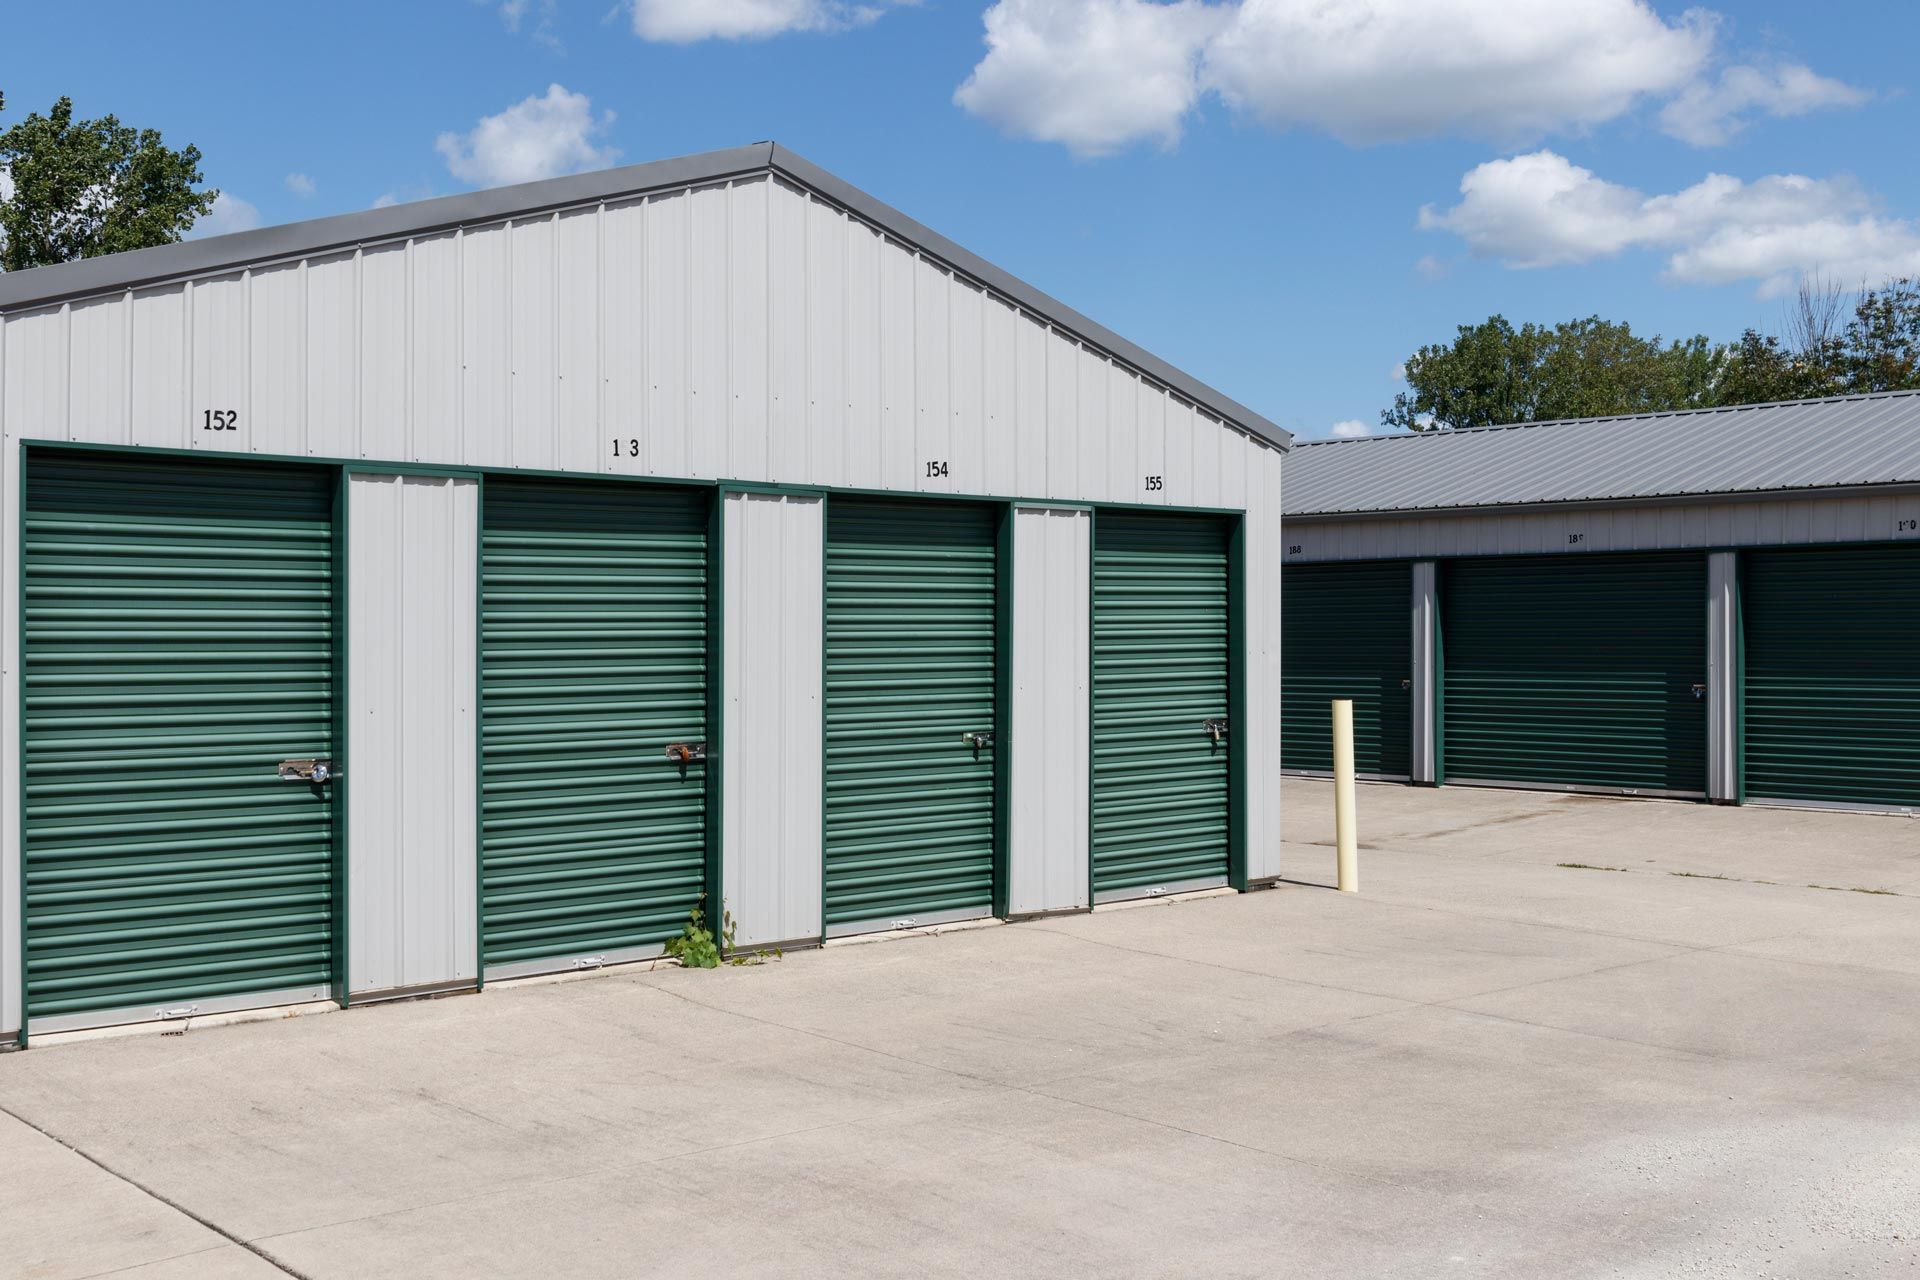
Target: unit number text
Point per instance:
(220, 420)
(1156, 483)
(937, 469)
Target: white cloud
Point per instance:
(1541, 210)
(685, 21)
(538, 137)
(229, 213)
(1351, 429)
(300, 184)
(1098, 74)
(1385, 70)
(1708, 113)
(513, 13)
(385, 200)
(1093, 75)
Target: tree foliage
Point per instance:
(81, 188)
(1495, 373)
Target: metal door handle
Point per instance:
(1214, 727)
(1406, 682)
(307, 769)
(1699, 691)
(978, 738)
(686, 752)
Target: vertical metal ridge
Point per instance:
(179, 641)
(1161, 668)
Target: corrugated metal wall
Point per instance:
(1047, 815)
(409, 756)
(770, 750)
(1689, 526)
(745, 330)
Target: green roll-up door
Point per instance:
(911, 614)
(1576, 671)
(1832, 702)
(1161, 672)
(178, 638)
(594, 662)
(1347, 633)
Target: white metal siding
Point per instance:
(1739, 523)
(770, 748)
(1723, 675)
(746, 330)
(1258, 473)
(1047, 866)
(1424, 614)
(409, 756)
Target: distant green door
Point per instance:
(1161, 674)
(1576, 671)
(1832, 703)
(178, 632)
(594, 651)
(1347, 632)
(911, 622)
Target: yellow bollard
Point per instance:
(1348, 865)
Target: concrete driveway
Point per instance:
(1486, 1064)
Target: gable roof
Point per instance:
(1842, 442)
(40, 286)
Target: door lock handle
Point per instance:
(307, 769)
(687, 752)
(1699, 691)
(978, 738)
(1215, 727)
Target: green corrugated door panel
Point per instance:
(1161, 639)
(910, 665)
(1832, 687)
(1347, 633)
(1577, 671)
(594, 639)
(178, 637)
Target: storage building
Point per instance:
(1718, 604)
(461, 590)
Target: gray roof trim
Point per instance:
(67, 280)
(43, 286)
(1712, 499)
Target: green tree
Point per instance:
(87, 187)
(1493, 373)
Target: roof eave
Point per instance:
(1700, 498)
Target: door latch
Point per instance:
(1699, 691)
(307, 769)
(686, 752)
(978, 738)
(1215, 727)
(1406, 682)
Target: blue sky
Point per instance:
(1238, 186)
